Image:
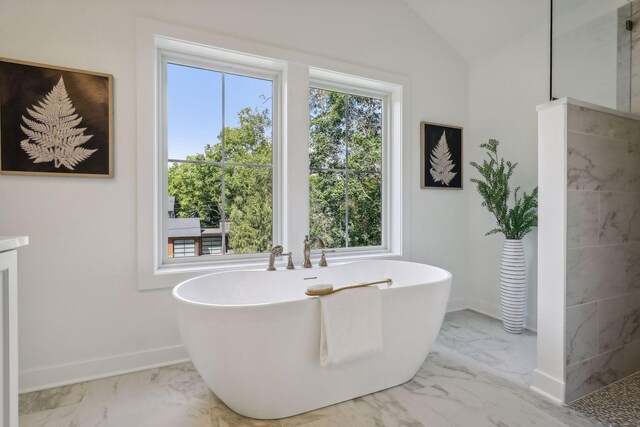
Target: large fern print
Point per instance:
(52, 132)
(441, 164)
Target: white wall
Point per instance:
(80, 312)
(504, 89)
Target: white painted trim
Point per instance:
(531, 323)
(9, 337)
(8, 243)
(547, 386)
(552, 252)
(86, 370)
(488, 308)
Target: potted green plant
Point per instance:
(514, 222)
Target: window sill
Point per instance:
(350, 256)
(213, 266)
(168, 276)
(260, 264)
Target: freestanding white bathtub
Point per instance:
(254, 336)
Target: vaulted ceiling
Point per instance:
(475, 27)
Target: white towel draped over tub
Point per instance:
(350, 325)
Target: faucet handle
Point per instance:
(323, 258)
(290, 265)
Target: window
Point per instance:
(345, 158)
(212, 245)
(219, 145)
(184, 247)
(240, 152)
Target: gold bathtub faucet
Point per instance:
(307, 249)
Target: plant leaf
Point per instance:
(493, 186)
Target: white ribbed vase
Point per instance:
(513, 286)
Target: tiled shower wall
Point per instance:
(635, 58)
(603, 250)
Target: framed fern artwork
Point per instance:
(55, 121)
(440, 156)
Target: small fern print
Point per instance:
(52, 132)
(441, 164)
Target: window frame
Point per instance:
(353, 88)
(296, 68)
(167, 56)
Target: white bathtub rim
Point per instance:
(175, 292)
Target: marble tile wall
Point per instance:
(603, 250)
(635, 58)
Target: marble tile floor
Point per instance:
(476, 375)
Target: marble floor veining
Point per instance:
(476, 375)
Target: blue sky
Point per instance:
(194, 106)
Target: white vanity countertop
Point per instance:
(8, 243)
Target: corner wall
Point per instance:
(504, 88)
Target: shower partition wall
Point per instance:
(589, 202)
(588, 248)
(635, 57)
(591, 52)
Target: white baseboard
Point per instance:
(531, 323)
(59, 375)
(457, 304)
(70, 373)
(547, 386)
(487, 308)
(493, 310)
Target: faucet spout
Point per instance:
(307, 249)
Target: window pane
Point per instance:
(327, 213)
(196, 189)
(249, 207)
(346, 205)
(327, 129)
(194, 110)
(183, 248)
(219, 129)
(364, 133)
(248, 116)
(197, 207)
(211, 245)
(365, 209)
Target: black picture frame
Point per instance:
(55, 121)
(440, 165)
